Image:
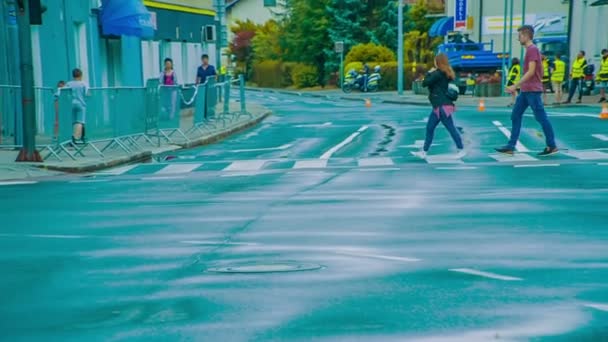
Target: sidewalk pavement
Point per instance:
(11, 170)
(409, 98)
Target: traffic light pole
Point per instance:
(220, 30)
(28, 153)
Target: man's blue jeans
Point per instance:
(534, 101)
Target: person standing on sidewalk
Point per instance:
(602, 76)
(205, 71)
(169, 91)
(438, 80)
(79, 106)
(531, 96)
(546, 78)
(558, 77)
(577, 77)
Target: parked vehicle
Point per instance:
(362, 81)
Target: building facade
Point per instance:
(581, 23)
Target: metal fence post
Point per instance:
(242, 94)
(227, 97)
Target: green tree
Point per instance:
(305, 37)
(370, 53)
(266, 42)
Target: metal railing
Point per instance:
(124, 119)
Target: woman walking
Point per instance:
(438, 80)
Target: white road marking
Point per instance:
(519, 146)
(347, 141)
(278, 148)
(327, 124)
(214, 243)
(602, 137)
(485, 274)
(456, 168)
(176, 169)
(165, 178)
(587, 155)
(381, 257)
(17, 183)
(242, 174)
(380, 161)
(380, 169)
(246, 165)
(443, 159)
(535, 165)
(602, 164)
(311, 164)
(90, 181)
(518, 157)
(44, 236)
(118, 171)
(597, 306)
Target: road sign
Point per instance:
(339, 47)
(460, 15)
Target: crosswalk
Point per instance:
(440, 162)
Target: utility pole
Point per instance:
(28, 153)
(400, 48)
(221, 32)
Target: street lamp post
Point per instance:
(504, 49)
(400, 48)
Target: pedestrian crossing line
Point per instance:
(379, 161)
(598, 306)
(162, 178)
(456, 168)
(587, 155)
(485, 274)
(311, 164)
(8, 183)
(178, 168)
(518, 157)
(118, 171)
(535, 165)
(519, 146)
(444, 159)
(601, 137)
(246, 165)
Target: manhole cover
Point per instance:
(266, 268)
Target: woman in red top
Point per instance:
(168, 79)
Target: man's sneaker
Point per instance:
(603, 99)
(419, 154)
(505, 150)
(548, 151)
(461, 154)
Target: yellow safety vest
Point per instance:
(577, 68)
(545, 71)
(603, 73)
(560, 71)
(515, 73)
(470, 81)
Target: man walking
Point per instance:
(532, 89)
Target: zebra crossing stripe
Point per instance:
(118, 171)
(311, 164)
(380, 161)
(174, 169)
(246, 165)
(518, 157)
(587, 155)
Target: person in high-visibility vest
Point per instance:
(577, 77)
(557, 77)
(546, 78)
(514, 77)
(602, 76)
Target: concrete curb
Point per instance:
(221, 135)
(148, 155)
(139, 157)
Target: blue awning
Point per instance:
(442, 26)
(126, 18)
